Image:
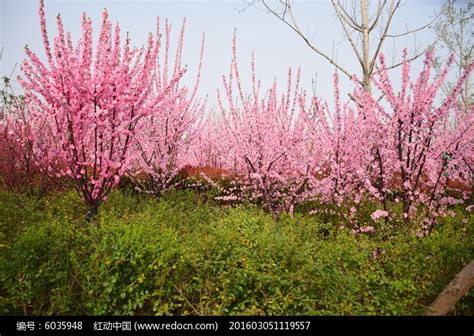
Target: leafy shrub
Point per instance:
(181, 256)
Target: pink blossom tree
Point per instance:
(18, 169)
(205, 150)
(264, 141)
(417, 147)
(168, 131)
(339, 153)
(87, 105)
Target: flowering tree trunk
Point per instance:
(168, 131)
(263, 141)
(86, 109)
(418, 147)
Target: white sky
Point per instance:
(276, 46)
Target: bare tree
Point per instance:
(7, 96)
(454, 29)
(365, 25)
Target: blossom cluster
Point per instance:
(93, 114)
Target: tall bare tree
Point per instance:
(364, 24)
(7, 96)
(454, 29)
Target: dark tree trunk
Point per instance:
(91, 216)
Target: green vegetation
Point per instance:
(184, 255)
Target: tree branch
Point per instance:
(340, 16)
(414, 30)
(414, 57)
(296, 29)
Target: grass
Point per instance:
(185, 255)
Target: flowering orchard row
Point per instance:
(92, 114)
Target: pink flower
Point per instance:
(379, 214)
(366, 229)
